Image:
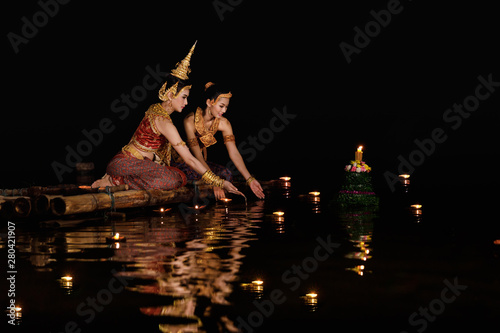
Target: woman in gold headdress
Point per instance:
(144, 163)
(200, 129)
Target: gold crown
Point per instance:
(182, 69)
(228, 95)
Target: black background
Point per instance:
(274, 55)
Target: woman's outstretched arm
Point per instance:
(235, 156)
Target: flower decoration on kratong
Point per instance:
(357, 166)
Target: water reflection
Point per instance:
(192, 260)
(66, 283)
(194, 267)
(311, 301)
(256, 288)
(359, 227)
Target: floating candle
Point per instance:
(405, 179)
(314, 198)
(416, 209)
(67, 282)
(311, 301)
(18, 312)
(115, 238)
(256, 287)
(312, 294)
(358, 155)
(162, 210)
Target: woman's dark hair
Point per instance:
(212, 92)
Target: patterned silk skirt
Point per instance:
(219, 170)
(144, 174)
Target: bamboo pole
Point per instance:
(86, 203)
(41, 204)
(22, 206)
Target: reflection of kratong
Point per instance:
(359, 226)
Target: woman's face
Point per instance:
(218, 109)
(180, 102)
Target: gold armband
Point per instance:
(182, 143)
(211, 178)
(228, 138)
(192, 142)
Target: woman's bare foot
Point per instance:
(103, 182)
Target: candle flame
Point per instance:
(116, 236)
(360, 148)
(162, 210)
(312, 294)
(416, 206)
(67, 278)
(196, 207)
(258, 282)
(279, 213)
(405, 176)
(286, 179)
(315, 193)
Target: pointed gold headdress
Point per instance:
(182, 68)
(180, 71)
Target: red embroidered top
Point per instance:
(147, 137)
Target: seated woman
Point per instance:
(144, 163)
(200, 129)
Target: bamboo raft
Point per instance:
(70, 199)
(63, 200)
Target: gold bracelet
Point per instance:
(250, 179)
(211, 178)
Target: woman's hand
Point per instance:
(219, 193)
(257, 189)
(228, 186)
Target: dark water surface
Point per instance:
(313, 269)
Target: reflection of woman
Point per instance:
(200, 129)
(144, 163)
